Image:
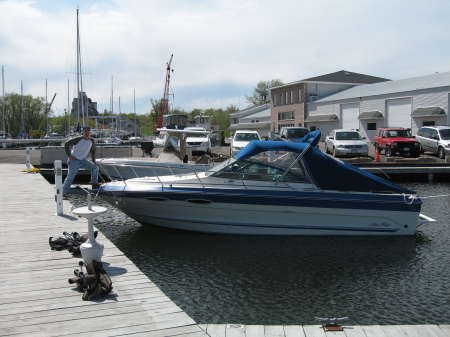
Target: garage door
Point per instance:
(349, 116)
(398, 112)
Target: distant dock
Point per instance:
(37, 300)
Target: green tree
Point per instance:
(24, 113)
(261, 92)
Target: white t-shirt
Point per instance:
(81, 149)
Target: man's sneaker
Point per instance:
(96, 186)
(65, 197)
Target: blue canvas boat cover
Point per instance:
(326, 172)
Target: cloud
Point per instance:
(221, 48)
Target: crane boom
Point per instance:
(165, 99)
(50, 105)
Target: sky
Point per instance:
(221, 48)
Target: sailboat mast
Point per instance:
(3, 101)
(134, 104)
(79, 76)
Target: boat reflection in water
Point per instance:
(272, 188)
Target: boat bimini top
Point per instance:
(325, 172)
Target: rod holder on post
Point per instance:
(91, 249)
(58, 186)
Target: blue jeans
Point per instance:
(74, 167)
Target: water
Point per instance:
(291, 280)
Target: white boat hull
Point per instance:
(266, 220)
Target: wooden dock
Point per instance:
(37, 300)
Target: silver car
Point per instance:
(343, 142)
(435, 139)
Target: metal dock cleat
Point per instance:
(332, 324)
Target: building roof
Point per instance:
(410, 84)
(251, 110)
(344, 76)
(259, 114)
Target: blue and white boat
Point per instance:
(272, 188)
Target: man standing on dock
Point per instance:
(77, 150)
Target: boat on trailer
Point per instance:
(273, 188)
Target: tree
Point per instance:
(261, 92)
(24, 113)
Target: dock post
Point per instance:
(58, 186)
(91, 249)
(28, 160)
(430, 177)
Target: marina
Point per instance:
(37, 300)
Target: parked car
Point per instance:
(396, 140)
(435, 139)
(241, 139)
(4, 135)
(293, 133)
(199, 143)
(343, 142)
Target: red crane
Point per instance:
(165, 99)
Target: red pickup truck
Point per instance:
(396, 140)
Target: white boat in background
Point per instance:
(272, 188)
(160, 139)
(172, 160)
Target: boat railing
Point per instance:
(124, 171)
(245, 181)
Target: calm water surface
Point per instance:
(291, 280)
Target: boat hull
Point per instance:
(321, 214)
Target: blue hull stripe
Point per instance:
(307, 199)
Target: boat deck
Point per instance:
(37, 300)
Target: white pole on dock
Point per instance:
(58, 186)
(28, 160)
(91, 249)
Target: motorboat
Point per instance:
(172, 160)
(161, 139)
(273, 188)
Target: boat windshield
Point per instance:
(264, 167)
(172, 145)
